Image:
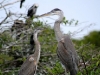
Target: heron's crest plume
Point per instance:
(36, 4)
(56, 9)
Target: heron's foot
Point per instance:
(31, 59)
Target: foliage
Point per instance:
(13, 52)
(70, 22)
(55, 70)
(11, 58)
(89, 52)
(93, 38)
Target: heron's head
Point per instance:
(55, 11)
(38, 30)
(36, 5)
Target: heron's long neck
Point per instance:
(57, 30)
(37, 47)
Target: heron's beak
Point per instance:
(46, 14)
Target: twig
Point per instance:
(9, 4)
(80, 30)
(8, 15)
(82, 57)
(4, 19)
(84, 65)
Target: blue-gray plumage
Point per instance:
(65, 48)
(29, 67)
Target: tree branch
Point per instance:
(9, 4)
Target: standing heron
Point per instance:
(29, 67)
(65, 48)
(32, 10)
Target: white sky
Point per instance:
(87, 11)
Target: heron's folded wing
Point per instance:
(64, 55)
(70, 47)
(30, 11)
(28, 68)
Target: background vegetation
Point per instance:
(14, 49)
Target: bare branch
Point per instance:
(9, 4)
(5, 18)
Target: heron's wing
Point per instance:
(65, 52)
(64, 55)
(28, 67)
(30, 11)
(68, 44)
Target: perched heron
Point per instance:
(65, 48)
(32, 10)
(29, 67)
(21, 2)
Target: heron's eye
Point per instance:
(35, 6)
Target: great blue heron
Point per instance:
(65, 48)
(21, 2)
(32, 10)
(29, 67)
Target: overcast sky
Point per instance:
(85, 11)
